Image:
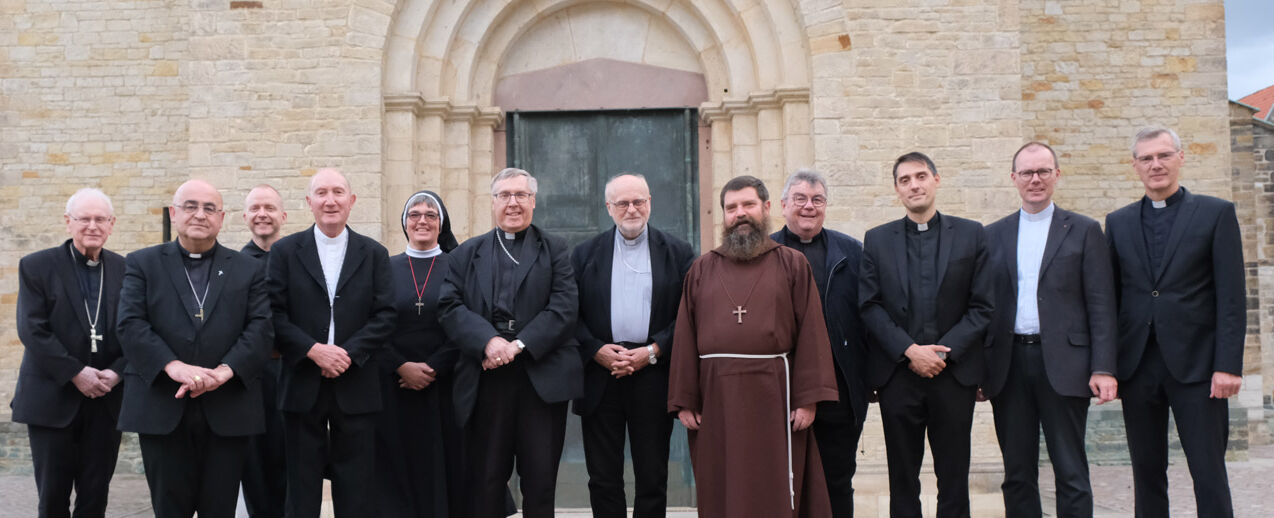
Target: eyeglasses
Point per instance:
(1162, 157)
(98, 220)
(800, 200)
(639, 203)
(1042, 174)
(414, 216)
(519, 196)
(191, 207)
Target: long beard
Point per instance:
(742, 243)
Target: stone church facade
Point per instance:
(135, 96)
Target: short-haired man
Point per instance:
(630, 283)
(194, 320)
(926, 296)
(1178, 267)
(834, 259)
(750, 366)
(72, 361)
(264, 476)
(510, 305)
(1052, 339)
(333, 308)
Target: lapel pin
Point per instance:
(219, 272)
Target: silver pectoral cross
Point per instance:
(93, 338)
(199, 315)
(419, 306)
(739, 312)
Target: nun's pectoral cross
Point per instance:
(739, 312)
(93, 338)
(419, 305)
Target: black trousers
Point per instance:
(80, 456)
(510, 420)
(1203, 424)
(264, 474)
(326, 441)
(638, 403)
(193, 469)
(837, 431)
(1026, 403)
(910, 405)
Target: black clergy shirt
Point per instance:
(922, 269)
(816, 253)
(90, 278)
(1156, 225)
(200, 271)
(505, 275)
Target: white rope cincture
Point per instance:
(787, 407)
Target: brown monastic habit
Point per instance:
(739, 453)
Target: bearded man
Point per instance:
(752, 361)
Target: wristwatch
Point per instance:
(653, 359)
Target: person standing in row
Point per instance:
(1179, 282)
(1051, 344)
(750, 366)
(510, 305)
(926, 295)
(72, 363)
(194, 321)
(630, 283)
(834, 259)
(415, 431)
(265, 473)
(332, 296)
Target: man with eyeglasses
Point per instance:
(834, 259)
(1052, 339)
(67, 392)
(194, 321)
(630, 285)
(332, 299)
(510, 305)
(1178, 268)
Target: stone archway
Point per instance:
(443, 63)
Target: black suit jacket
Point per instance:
(1076, 300)
(365, 319)
(157, 326)
(845, 328)
(54, 331)
(547, 306)
(965, 297)
(1195, 301)
(592, 260)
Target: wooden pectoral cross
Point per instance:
(739, 312)
(93, 338)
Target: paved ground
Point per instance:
(1252, 483)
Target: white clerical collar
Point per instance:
(921, 227)
(324, 240)
(1043, 215)
(641, 238)
(1159, 204)
(424, 254)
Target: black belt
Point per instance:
(633, 345)
(1026, 339)
(506, 327)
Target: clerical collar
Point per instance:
(324, 240)
(195, 257)
(792, 237)
(1042, 215)
(511, 236)
(82, 259)
(641, 238)
(424, 254)
(1171, 200)
(922, 227)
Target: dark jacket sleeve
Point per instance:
(375, 332)
(589, 344)
(292, 341)
(467, 329)
(554, 324)
(34, 328)
(1231, 302)
(889, 337)
(1099, 300)
(248, 354)
(146, 351)
(683, 256)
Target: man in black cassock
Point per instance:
(510, 305)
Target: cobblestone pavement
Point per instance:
(1251, 481)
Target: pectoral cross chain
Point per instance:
(739, 312)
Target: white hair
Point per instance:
(804, 175)
(86, 193)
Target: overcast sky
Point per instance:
(1249, 45)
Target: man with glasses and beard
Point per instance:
(752, 361)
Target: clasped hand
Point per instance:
(195, 380)
(498, 353)
(332, 360)
(925, 360)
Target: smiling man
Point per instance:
(925, 291)
(1178, 262)
(510, 305)
(750, 367)
(331, 293)
(1052, 338)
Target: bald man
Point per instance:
(333, 310)
(194, 322)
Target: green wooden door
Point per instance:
(572, 155)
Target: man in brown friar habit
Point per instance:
(752, 361)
